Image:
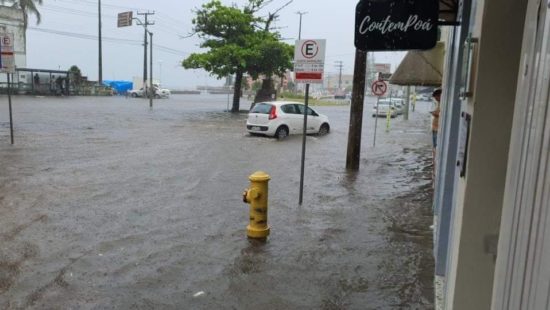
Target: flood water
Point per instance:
(107, 204)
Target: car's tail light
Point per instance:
(273, 113)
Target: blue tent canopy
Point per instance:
(120, 86)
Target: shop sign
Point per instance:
(394, 25)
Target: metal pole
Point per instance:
(151, 71)
(375, 122)
(9, 104)
(304, 147)
(300, 29)
(100, 56)
(414, 99)
(145, 55)
(353, 156)
(407, 104)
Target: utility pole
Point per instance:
(339, 65)
(300, 28)
(152, 89)
(100, 53)
(353, 157)
(145, 24)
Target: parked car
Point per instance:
(135, 92)
(384, 107)
(399, 105)
(423, 97)
(282, 118)
(159, 92)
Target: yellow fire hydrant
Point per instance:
(256, 196)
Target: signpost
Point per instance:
(7, 65)
(125, 19)
(379, 88)
(309, 66)
(385, 25)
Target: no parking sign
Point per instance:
(379, 88)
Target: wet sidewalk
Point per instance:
(108, 205)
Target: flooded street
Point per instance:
(106, 204)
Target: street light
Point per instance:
(300, 28)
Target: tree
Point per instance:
(238, 42)
(225, 31)
(75, 75)
(28, 7)
(270, 58)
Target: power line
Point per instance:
(167, 24)
(109, 39)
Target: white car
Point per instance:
(162, 93)
(282, 118)
(399, 105)
(423, 97)
(159, 93)
(384, 107)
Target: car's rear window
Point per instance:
(261, 108)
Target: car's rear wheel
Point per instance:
(281, 133)
(324, 130)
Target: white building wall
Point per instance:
(11, 21)
(522, 279)
(498, 26)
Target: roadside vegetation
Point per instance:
(240, 41)
(312, 101)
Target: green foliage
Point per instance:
(75, 75)
(269, 56)
(256, 86)
(236, 42)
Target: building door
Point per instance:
(522, 278)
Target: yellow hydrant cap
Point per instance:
(259, 176)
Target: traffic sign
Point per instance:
(379, 88)
(7, 58)
(309, 61)
(384, 76)
(125, 19)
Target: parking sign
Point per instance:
(7, 59)
(309, 61)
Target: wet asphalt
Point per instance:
(107, 204)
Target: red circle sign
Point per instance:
(379, 88)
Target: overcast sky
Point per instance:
(67, 36)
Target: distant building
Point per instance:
(383, 68)
(332, 81)
(11, 21)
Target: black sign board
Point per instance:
(393, 25)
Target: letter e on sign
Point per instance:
(310, 49)
(6, 41)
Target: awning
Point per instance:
(421, 68)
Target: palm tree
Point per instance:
(28, 7)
